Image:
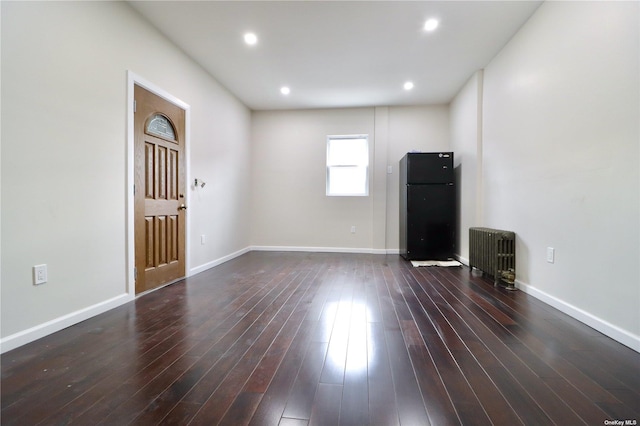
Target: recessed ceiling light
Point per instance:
(285, 90)
(431, 24)
(250, 39)
(408, 85)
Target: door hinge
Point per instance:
(135, 105)
(135, 273)
(134, 190)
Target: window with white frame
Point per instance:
(348, 165)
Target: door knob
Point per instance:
(182, 207)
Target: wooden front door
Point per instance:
(159, 190)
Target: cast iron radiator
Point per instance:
(493, 251)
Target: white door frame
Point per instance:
(132, 80)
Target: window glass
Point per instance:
(160, 125)
(348, 165)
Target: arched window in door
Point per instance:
(159, 125)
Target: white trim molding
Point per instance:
(610, 330)
(361, 250)
(27, 336)
(218, 261)
(41, 330)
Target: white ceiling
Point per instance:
(339, 53)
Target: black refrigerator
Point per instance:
(427, 206)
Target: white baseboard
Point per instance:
(217, 262)
(461, 259)
(321, 249)
(610, 330)
(41, 330)
(26, 336)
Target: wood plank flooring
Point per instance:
(324, 339)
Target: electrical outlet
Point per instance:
(39, 274)
(202, 239)
(551, 254)
(353, 229)
(389, 170)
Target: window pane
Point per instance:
(347, 165)
(347, 181)
(348, 152)
(159, 125)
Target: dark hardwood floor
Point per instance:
(324, 339)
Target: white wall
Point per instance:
(290, 208)
(64, 103)
(561, 160)
(420, 128)
(466, 143)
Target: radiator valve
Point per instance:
(509, 276)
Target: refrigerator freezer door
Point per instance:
(432, 167)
